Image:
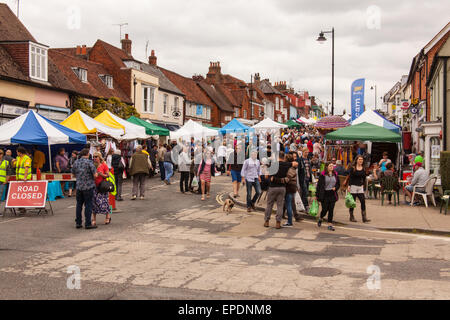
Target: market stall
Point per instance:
(234, 126)
(293, 124)
(193, 129)
(377, 119)
(150, 128)
(330, 123)
(132, 131)
(82, 123)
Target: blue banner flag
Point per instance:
(199, 110)
(357, 98)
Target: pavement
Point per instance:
(174, 246)
(387, 217)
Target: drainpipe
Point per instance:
(444, 116)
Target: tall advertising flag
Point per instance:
(357, 98)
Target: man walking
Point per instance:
(235, 163)
(85, 173)
(251, 172)
(161, 153)
(118, 165)
(140, 166)
(277, 190)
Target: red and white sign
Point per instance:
(27, 194)
(405, 104)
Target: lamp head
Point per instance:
(321, 38)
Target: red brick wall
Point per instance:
(121, 77)
(20, 53)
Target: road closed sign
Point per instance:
(27, 194)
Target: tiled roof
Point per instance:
(224, 91)
(216, 96)
(11, 29)
(267, 88)
(164, 82)
(9, 68)
(189, 87)
(230, 79)
(116, 54)
(95, 87)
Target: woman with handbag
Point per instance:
(327, 188)
(205, 172)
(101, 199)
(356, 180)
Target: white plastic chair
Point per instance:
(429, 186)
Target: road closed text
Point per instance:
(27, 193)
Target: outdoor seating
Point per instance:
(429, 185)
(373, 188)
(444, 200)
(389, 186)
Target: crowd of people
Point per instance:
(250, 161)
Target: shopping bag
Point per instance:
(349, 201)
(195, 182)
(299, 202)
(312, 188)
(314, 209)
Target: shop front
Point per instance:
(432, 133)
(11, 109)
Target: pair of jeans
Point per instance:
(139, 183)
(162, 171)
(86, 198)
(168, 169)
(328, 204)
(119, 182)
(288, 201)
(275, 194)
(184, 180)
(250, 185)
(2, 189)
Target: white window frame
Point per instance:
(149, 105)
(165, 104)
(245, 114)
(236, 112)
(175, 103)
(208, 113)
(81, 73)
(107, 80)
(41, 64)
(277, 103)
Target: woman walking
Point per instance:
(356, 180)
(101, 200)
(205, 171)
(291, 189)
(168, 165)
(184, 166)
(327, 188)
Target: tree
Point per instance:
(114, 105)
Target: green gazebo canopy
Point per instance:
(150, 129)
(365, 132)
(293, 124)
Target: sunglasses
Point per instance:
(95, 157)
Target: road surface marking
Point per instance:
(12, 220)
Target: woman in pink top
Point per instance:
(205, 171)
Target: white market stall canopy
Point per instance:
(268, 124)
(377, 119)
(307, 121)
(193, 129)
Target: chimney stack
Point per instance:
(126, 45)
(214, 70)
(257, 77)
(152, 59)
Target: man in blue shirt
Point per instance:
(85, 172)
(251, 172)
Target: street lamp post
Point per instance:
(322, 39)
(371, 88)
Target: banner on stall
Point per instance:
(27, 194)
(357, 98)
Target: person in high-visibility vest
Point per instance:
(4, 164)
(113, 181)
(23, 165)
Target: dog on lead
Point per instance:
(228, 205)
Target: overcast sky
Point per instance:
(375, 40)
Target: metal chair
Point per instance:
(444, 200)
(372, 188)
(429, 185)
(389, 186)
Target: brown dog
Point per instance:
(228, 205)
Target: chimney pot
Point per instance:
(84, 50)
(152, 60)
(78, 51)
(126, 36)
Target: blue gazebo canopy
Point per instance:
(234, 126)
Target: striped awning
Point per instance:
(331, 123)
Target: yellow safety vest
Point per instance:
(113, 181)
(20, 167)
(3, 166)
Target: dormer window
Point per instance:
(132, 64)
(107, 79)
(81, 74)
(38, 62)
